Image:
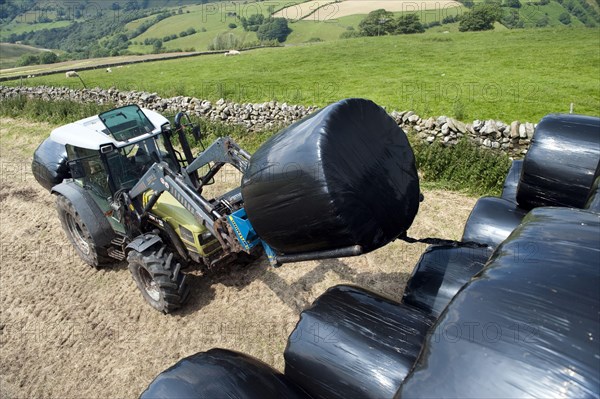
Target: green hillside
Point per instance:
(22, 27)
(10, 53)
(510, 74)
(307, 29)
(81, 28)
(531, 14)
(85, 34)
(209, 22)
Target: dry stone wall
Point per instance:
(512, 138)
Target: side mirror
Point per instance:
(196, 133)
(165, 127)
(77, 169)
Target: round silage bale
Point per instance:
(342, 176)
(562, 162)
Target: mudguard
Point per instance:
(492, 220)
(221, 373)
(441, 272)
(143, 242)
(527, 325)
(49, 165)
(353, 343)
(94, 219)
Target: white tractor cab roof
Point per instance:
(99, 130)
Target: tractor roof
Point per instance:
(91, 132)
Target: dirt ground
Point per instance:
(69, 331)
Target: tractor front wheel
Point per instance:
(158, 277)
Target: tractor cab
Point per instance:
(109, 153)
(122, 145)
(141, 145)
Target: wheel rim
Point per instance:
(77, 234)
(149, 285)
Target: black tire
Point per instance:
(158, 276)
(79, 235)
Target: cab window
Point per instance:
(95, 178)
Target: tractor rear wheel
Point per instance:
(79, 234)
(159, 277)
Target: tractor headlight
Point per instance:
(205, 237)
(186, 235)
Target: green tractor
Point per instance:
(341, 182)
(133, 191)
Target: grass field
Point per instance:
(10, 53)
(83, 63)
(18, 28)
(328, 12)
(513, 74)
(208, 19)
(136, 23)
(331, 29)
(530, 14)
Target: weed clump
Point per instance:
(463, 166)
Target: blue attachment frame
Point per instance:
(246, 234)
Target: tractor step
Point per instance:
(116, 250)
(118, 241)
(116, 253)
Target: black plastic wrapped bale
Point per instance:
(49, 164)
(527, 325)
(440, 273)
(353, 343)
(221, 373)
(593, 202)
(492, 220)
(341, 177)
(511, 182)
(562, 162)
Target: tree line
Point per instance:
(481, 16)
(268, 28)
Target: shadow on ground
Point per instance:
(293, 295)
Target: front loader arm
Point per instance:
(221, 151)
(159, 178)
